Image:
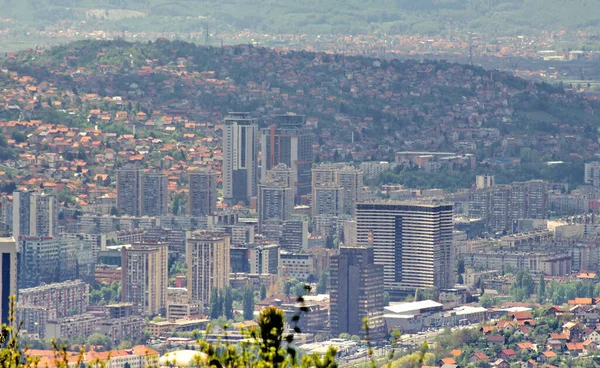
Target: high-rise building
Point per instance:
(8, 270)
(325, 177)
(207, 258)
(328, 200)
(592, 173)
(144, 275)
(356, 293)
(294, 236)
(289, 141)
(240, 157)
(500, 206)
(275, 196)
(44, 260)
(129, 190)
(34, 214)
(484, 181)
(202, 200)
(351, 180)
(412, 241)
(263, 259)
(155, 194)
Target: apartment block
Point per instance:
(144, 268)
(202, 196)
(207, 258)
(67, 298)
(155, 194)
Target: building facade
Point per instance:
(8, 270)
(289, 141)
(155, 194)
(207, 258)
(66, 298)
(144, 275)
(356, 293)
(240, 158)
(129, 189)
(275, 196)
(34, 214)
(202, 200)
(412, 241)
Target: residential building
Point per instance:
(144, 269)
(240, 157)
(44, 259)
(66, 298)
(289, 141)
(500, 205)
(371, 169)
(202, 196)
(296, 265)
(484, 181)
(207, 258)
(294, 236)
(356, 292)
(155, 194)
(8, 270)
(33, 319)
(263, 259)
(69, 327)
(275, 196)
(412, 240)
(129, 191)
(34, 214)
(592, 173)
(328, 200)
(351, 180)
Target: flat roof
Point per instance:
(405, 308)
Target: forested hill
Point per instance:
(494, 17)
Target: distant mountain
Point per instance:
(496, 17)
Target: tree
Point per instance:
(98, 339)
(263, 292)
(541, 295)
(248, 303)
(228, 303)
(322, 284)
(216, 304)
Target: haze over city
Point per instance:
(305, 184)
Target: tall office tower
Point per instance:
(129, 190)
(155, 194)
(328, 200)
(592, 173)
(484, 181)
(144, 275)
(275, 196)
(8, 270)
(240, 157)
(34, 214)
(294, 236)
(289, 141)
(207, 258)
(356, 292)
(202, 200)
(412, 241)
(351, 180)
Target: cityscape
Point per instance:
(425, 199)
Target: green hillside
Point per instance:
(496, 17)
